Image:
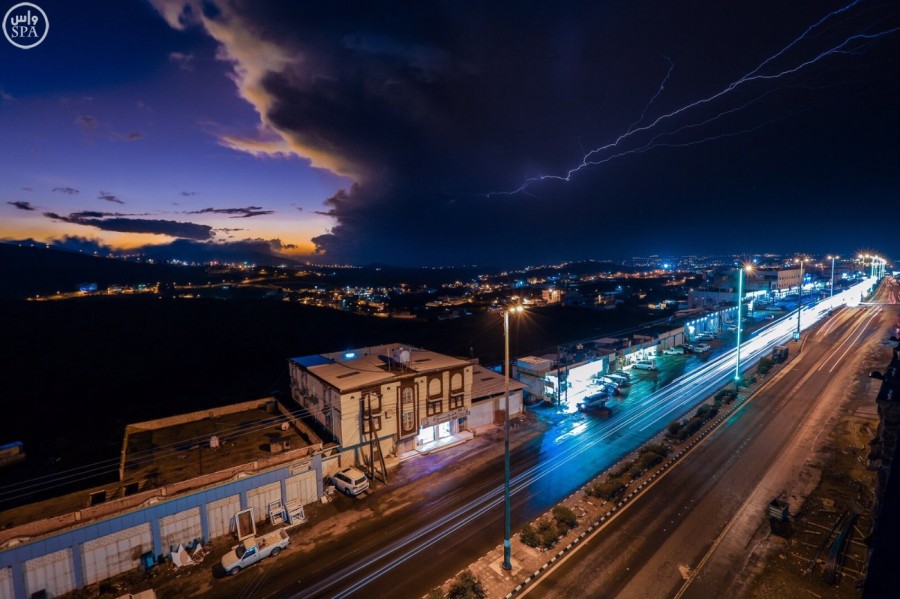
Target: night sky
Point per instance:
(437, 133)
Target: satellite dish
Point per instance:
(404, 356)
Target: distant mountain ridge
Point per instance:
(29, 271)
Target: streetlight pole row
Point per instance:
(740, 299)
(507, 547)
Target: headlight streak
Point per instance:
(685, 390)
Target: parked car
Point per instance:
(351, 481)
(732, 327)
(705, 336)
(608, 380)
(254, 549)
(645, 365)
(622, 378)
(607, 388)
(597, 401)
(677, 350)
(699, 348)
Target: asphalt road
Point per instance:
(407, 541)
(657, 542)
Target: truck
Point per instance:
(254, 549)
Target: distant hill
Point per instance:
(28, 271)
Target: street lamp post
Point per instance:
(740, 297)
(832, 276)
(507, 548)
(799, 301)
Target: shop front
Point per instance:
(441, 429)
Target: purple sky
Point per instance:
(412, 134)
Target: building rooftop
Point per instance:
(487, 383)
(171, 456)
(169, 450)
(356, 368)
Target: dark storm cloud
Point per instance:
(429, 108)
(67, 190)
(21, 205)
(247, 212)
(256, 251)
(105, 195)
(124, 224)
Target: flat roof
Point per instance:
(357, 368)
(487, 383)
(180, 449)
(350, 374)
(314, 360)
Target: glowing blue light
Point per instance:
(350, 355)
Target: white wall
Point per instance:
(52, 573)
(113, 554)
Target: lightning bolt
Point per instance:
(852, 44)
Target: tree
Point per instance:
(466, 586)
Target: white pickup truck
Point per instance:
(253, 550)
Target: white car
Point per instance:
(645, 365)
(678, 350)
(705, 336)
(699, 348)
(351, 481)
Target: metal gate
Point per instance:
(260, 497)
(180, 528)
(302, 488)
(219, 515)
(51, 573)
(6, 584)
(116, 553)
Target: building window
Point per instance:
(372, 402)
(456, 382)
(407, 411)
(434, 387)
(435, 406)
(376, 423)
(457, 401)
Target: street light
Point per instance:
(740, 297)
(507, 548)
(799, 301)
(832, 276)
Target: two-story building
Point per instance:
(403, 397)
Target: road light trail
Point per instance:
(681, 394)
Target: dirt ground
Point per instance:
(795, 565)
